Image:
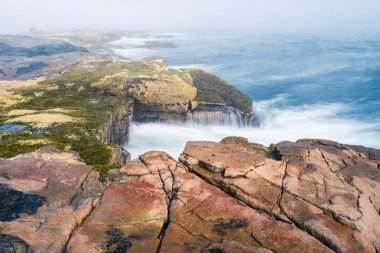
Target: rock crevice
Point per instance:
(249, 203)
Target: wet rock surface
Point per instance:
(318, 196)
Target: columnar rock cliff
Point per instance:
(115, 130)
(317, 196)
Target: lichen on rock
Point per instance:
(319, 196)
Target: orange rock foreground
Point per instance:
(315, 196)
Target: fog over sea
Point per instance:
(303, 85)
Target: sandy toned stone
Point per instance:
(43, 120)
(345, 181)
(225, 158)
(157, 160)
(60, 110)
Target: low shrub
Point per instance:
(213, 89)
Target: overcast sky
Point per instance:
(190, 15)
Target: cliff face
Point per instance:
(115, 131)
(167, 95)
(317, 196)
(153, 112)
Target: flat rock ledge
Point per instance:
(316, 196)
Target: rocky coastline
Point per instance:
(89, 107)
(317, 196)
(68, 185)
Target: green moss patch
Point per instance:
(213, 89)
(10, 146)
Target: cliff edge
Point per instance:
(88, 108)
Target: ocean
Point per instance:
(302, 85)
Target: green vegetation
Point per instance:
(79, 99)
(212, 89)
(84, 75)
(81, 137)
(11, 146)
(75, 94)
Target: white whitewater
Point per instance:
(314, 121)
(230, 118)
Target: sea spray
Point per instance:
(277, 124)
(220, 116)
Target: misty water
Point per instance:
(303, 86)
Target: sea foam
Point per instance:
(322, 121)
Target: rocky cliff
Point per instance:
(86, 101)
(161, 94)
(213, 89)
(316, 196)
(115, 130)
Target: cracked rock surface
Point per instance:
(317, 196)
(329, 190)
(45, 195)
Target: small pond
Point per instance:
(39, 132)
(12, 128)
